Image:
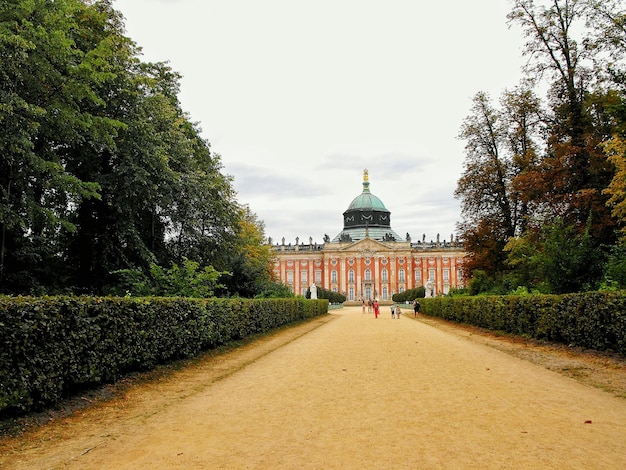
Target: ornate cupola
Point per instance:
(366, 217)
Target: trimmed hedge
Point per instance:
(593, 320)
(409, 295)
(51, 347)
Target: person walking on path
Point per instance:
(393, 311)
(376, 308)
(416, 307)
(363, 306)
(398, 312)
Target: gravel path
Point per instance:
(345, 391)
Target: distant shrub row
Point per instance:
(51, 347)
(409, 295)
(332, 297)
(594, 320)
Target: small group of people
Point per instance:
(395, 311)
(373, 305)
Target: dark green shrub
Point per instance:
(595, 320)
(409, 295)
(331, 296)
(53, 346)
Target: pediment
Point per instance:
(366, 245)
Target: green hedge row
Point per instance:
(409, 295)
(51, 347)
(594, 320)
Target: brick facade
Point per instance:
(367, 259)
(369, 268)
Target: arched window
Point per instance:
(333, 276)
(368, 275)
(384, 275)
(401, 275)
(385, 293)
(351, 293)
(351, 275)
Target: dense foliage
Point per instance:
(332, 297)
(101, 171)
(53, 346)
(542, 192)
(594, 320)
(409, 295)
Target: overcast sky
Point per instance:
(298, 97)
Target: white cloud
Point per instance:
(299, 97)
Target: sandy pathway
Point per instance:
(353, 392)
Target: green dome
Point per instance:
(366, 217)
(367, 201)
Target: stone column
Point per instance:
(393, 278)
(326, 273)
(357, 281)
(342, 274)
(296, 276)
(439, 274)
(377, 283)
(311, 279)
(283, 270)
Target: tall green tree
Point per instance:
(555, 166)
(130, 168)
(607, 22)
(495, 197)
(48, 75)
(616, 190)
(250, 259)
(557, 259)
(573, 171)
(100, 169)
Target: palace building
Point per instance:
(368, 259)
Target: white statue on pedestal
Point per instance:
(430, 289)
(313, 291)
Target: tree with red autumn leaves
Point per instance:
(535, 169)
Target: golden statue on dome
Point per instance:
(365, 175)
